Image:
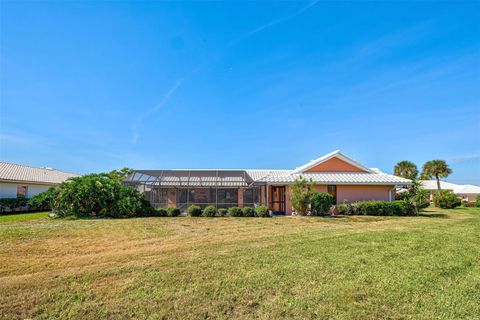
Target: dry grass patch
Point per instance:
(291, 267)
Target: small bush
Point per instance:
(173, 212)
(469, 204)
(262, 211)
(194, 211)
(248, 212)
(377, 208)
(16, 205)
(210, 211)
(235, 212)
(446, 200)
(222, 212)
(477, 201)
(162, 212)
(344, 208)
(321, 203)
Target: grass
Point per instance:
(23, 216)
(425, 267)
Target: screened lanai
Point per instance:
(182, 188)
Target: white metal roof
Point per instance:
(11, 172)
(468, 189)
(377, 178)
(431, 185)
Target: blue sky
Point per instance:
(93, 86)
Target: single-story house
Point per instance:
(335, 173)
(467, 192)
(19, 181)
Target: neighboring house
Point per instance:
(335, 173)
(465, 192)
(19, 181)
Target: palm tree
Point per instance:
(406, 169)
(436, 168)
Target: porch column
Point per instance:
(171, 197)
(262, 196)
(240, 197)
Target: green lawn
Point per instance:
(425, 267)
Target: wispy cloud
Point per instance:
(179, 82)
(466, 159)
(26, 140)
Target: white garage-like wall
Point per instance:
(9, 189)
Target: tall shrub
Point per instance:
(302, 192)
(99, 195)
(321, 203)
(44, 200)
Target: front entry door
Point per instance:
(278, 200)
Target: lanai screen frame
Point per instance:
(151, 181)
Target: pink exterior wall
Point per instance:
(361, 193)
(350, 193)
(470, 197)
(334, 165)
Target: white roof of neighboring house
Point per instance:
(468, 189)
(431, 185)
(11, 172)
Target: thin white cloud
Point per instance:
(466, 159)
(179, 82)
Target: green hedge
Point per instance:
(160, 212)
(470, 204)
(377, 208)
(222, 212)
(18, 205)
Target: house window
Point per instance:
(22, 191)
(333, 191)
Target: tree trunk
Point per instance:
(438, 182)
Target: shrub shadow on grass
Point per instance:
(434, 215)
